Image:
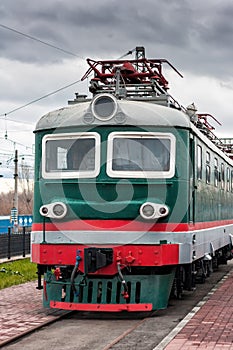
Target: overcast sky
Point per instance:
(195, 36)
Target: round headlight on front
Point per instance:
(147, 211)
(59, 209)
(104, 107)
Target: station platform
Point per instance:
(209, 325)
(21, 311)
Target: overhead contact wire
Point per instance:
(39, 99)
(40, 41)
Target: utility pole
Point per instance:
(1, 174)
(14, 210)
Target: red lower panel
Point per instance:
(127, 255)
(100, 307)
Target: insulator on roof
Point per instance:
(191, 111)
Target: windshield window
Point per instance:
(141, 155)
(71, 155)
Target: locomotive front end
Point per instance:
(107, 181)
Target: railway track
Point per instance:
(86, 331)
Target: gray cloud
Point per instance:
(196, 36)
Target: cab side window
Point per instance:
(222, 176)
(199, 162)
(228, 179)
(216, 174)
(207, 167)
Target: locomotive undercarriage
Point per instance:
(138, 288)
(188, 275)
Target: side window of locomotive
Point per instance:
(222, 176)
(216, 173)
(207, 167)
(231, 180)
(228, 179)
(199, 162)
(69, 156)
(141, 155)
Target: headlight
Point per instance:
(104, 107)
(151, 211)
(147, 210)
(59, 209)
(54, 210)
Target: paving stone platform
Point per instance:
(209, 325)
(21, 311)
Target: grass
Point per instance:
(17, 272)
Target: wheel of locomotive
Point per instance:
(179, 282)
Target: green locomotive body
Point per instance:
(132, 199)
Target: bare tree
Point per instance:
(6, 202)
(26, 184)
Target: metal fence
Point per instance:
(14, 244)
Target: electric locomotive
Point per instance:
(133, 193)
